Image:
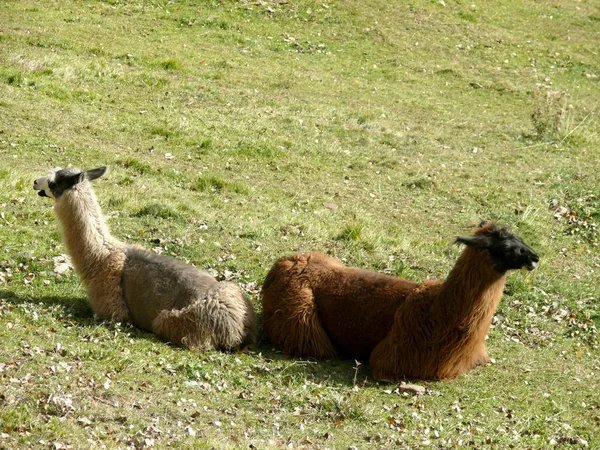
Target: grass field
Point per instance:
(239, 131)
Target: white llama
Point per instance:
(178, 302)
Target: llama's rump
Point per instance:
(316, 286)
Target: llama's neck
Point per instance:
(86, 235)
(473, 291)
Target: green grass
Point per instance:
(239, 132)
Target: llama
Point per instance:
(315, 306)
(178, 302)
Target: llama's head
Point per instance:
(506, 250)
(60, 180)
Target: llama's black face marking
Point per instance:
(508, 252)
(61, 180)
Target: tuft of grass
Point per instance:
(215, 22)
(204, 183)
(550, 114)
(214, 183)
(14, 79)
(204, 144)
(141, 167)
(171, 64)
(468, 16)
(258, 150)
(351, 232)
(156, 210)
(126, 181)
(418, 182)
(163, 131)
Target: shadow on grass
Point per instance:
(76, 308)
(333, 372)
(76, 311)
(342, 371)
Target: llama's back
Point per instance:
(290, 317)
(357, 307)
(313, 305)
(185, 305)
(152, 283)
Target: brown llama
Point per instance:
(315, 306)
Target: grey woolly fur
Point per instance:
(178, 302)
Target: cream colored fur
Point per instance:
(97, 256)
(178, 302)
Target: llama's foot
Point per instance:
(382, 363)
(122, 316)
(481, 357)
(107, 308)
(384, 374)
(384, 379)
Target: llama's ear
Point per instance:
(95, 173)
(478, 241)
(66, 181)
(482, 223)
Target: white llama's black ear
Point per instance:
(64, 181)
(95, 173)
(474, 241)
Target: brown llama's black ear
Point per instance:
(482, 223)
(479, 241)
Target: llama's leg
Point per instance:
(291, 322)
(385, 362)
(222, 318)
(465, 361)
(480, 355)
(106, 300)
(407, 352)
(109, 308)
(183, 327)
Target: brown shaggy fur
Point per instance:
(434, 336)
(315, 306)
(176, 301)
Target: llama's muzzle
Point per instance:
(533, 265)
(41, 185)
(533, 262)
